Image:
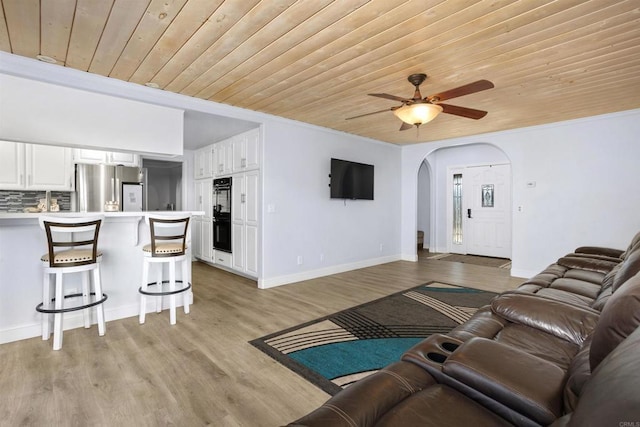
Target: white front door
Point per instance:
(479, 210)
(487, 201)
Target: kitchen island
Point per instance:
(22, 243)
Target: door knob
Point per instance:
(468, 213)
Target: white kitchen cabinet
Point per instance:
(201, 239)
(223, 158)
(251, 250)
(203, 162)
(82, 155)
(244, 218)
(12, 167)
(48, 168)
(196, 240)
(125, 159)
(35, 167)
(204, 196)
(246, 151)
(203, 227)
(222, 258)
(206, 240)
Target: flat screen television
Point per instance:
(351, 180)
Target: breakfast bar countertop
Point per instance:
(25, 215)
(22, 243)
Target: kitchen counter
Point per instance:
(24, 215)
(22, 242)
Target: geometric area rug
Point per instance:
(336, 350)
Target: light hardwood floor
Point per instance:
(201, 371)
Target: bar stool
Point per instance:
(168, 246)
(77, 257)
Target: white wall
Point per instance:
(330, 235)
(32, 111)
(586, 192)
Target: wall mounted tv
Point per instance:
(351, 180)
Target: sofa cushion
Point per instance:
(525, 383)
(538, 343)
(565, 296)
(594, 277)
(620, 316)
(578, 287)
(438, 406)
(590, 264)
(568, 322)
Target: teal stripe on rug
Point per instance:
(344, 358)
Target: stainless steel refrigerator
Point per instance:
(98, 184)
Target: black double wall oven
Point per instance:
(222, 214)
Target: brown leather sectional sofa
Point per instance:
(563, 350)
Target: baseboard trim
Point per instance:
(314, 274)
(523, 274)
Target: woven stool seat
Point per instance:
(165, 248)
(71, 256)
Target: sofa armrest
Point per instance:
(596, 250)
(528, 384)
(565, 321)
(591, 264)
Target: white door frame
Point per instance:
(452, 170)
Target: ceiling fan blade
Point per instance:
(474, 87)
(369, 114)
(463, 111)
(387, 96)
(405, 126)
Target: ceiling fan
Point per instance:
(418, 110)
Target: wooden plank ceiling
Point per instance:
(316, 60)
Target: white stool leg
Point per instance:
(159, 267)
(46, 303)
(143, 297)
(185, 282)
(97, 287)
(86, 295)
(172, 287)
(57, 317)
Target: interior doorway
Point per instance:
(164, 185)
(479, 210)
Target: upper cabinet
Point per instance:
(223, 157)
(35, 167)
(49, 168)
(12, 168)
(202, 163)
(239, 153)
(246, 151)
(106, 157)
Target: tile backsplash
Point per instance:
(16, 200)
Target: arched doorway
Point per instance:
(472, 160)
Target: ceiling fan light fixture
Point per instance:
(418, 113)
